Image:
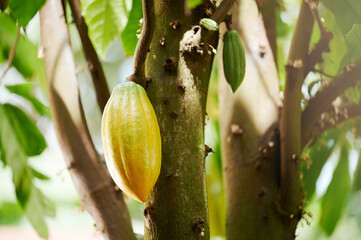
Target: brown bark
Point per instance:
(94, 186)
(268, 11)
(324, 98)
(251, 160)
(179, 73)
(290, 126)
(95, 67)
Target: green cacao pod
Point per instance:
(209, 24)
(131, 140)
(234, 60)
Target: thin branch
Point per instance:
(209, 3)
(268, 11)
(324, 98)
(221, 12)
(323, 45)
(323, 73)
(315, 57)
(95, 67)
(290, 128)
(344, 112)
(11, 54)
(313, 7)
(336, 116)
(90, 178)
(142, 49)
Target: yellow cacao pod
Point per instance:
(131, 140)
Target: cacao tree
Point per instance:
(283, 111)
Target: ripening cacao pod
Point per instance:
(234, 60)
(131, 140)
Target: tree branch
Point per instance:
(268, 11)
(11, 54)
(313, 7)
(208, 3)
(90, 178)
(324, 98)
(290, 191)
(322, 45)
(323, 73)
(142, 49)
(221, 12)
(343, 112)
(336, 116)
(95, 67)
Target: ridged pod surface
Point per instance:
(234, 60)
(209, 24)
(131, 140)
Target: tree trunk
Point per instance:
(91, 180)
(179, 73)
(251, 158)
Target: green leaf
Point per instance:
(27, 133)
(215, 189)
(194, 3)
(106, 20)
(129, 34)
(282, 28)
(10, 213)
(353, 38)
(12, 153)
(25, 10)
(332, 61)
(34, 203)
(37, 208)
(24, 186)
(26, 59)
(318, 156)
(335, 198)
(356, 185)
(341, 18)
(354, 35)
(40, 175)
(353, 94)
(25, 90)
(346, 14)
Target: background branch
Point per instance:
(290, 128)
(11, 55)
(95, 67)
(268, 11)
(323, 73)
(322, 45)
(313, 7)
(221, 12)
(142, 49)
(90, 178)
(325, 96)
(337, 115)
